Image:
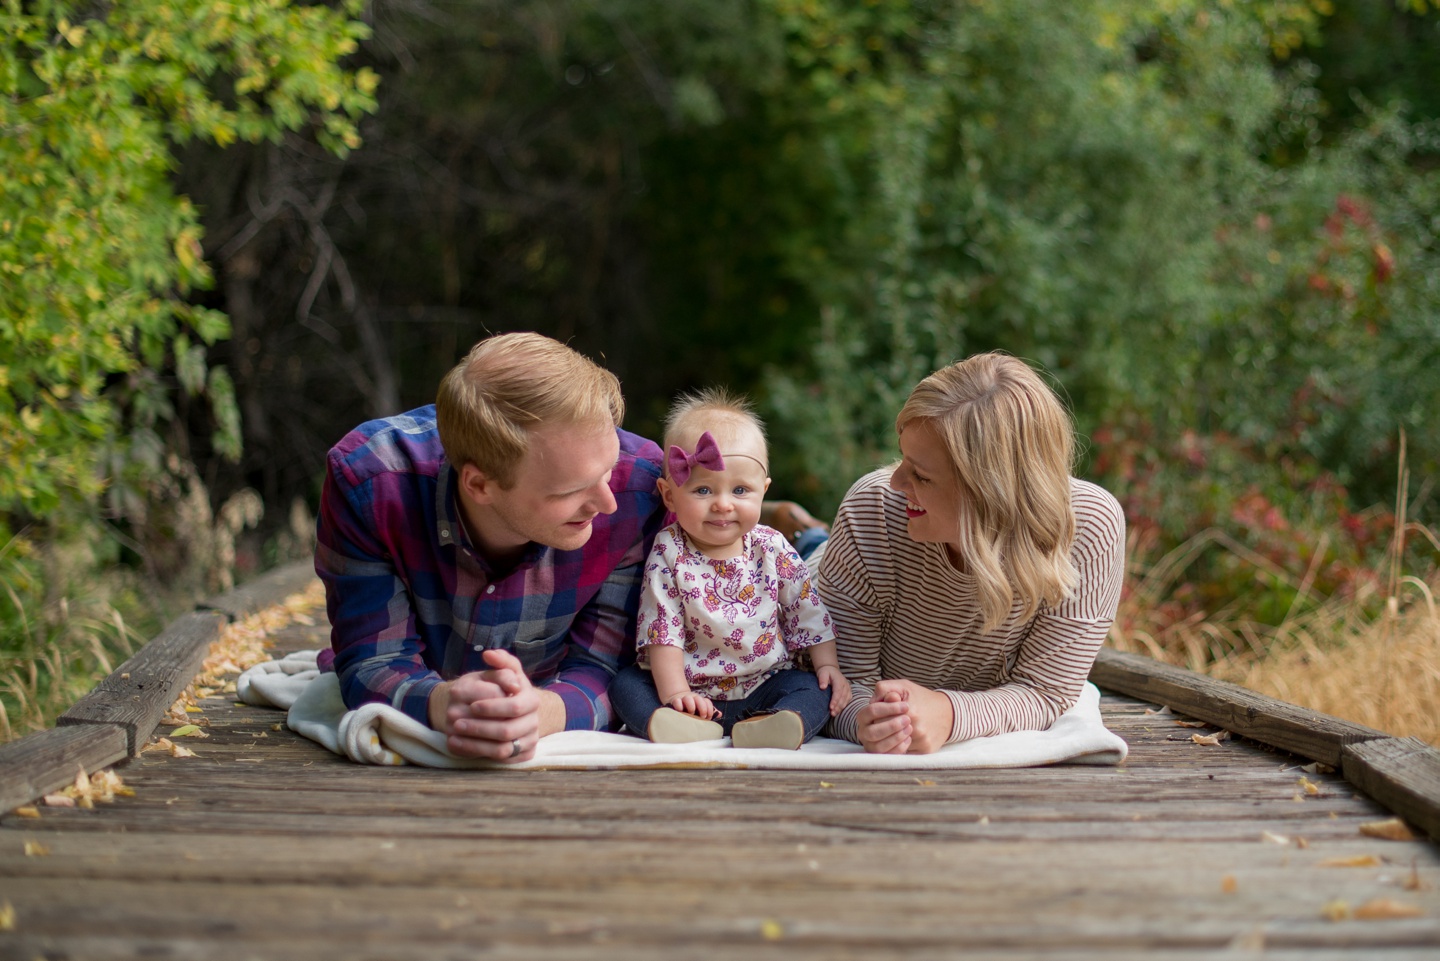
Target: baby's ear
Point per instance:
(667, 493)
(766, 487)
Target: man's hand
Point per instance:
(905, 718)
(492, 714)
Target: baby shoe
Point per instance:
(782, 729)
(669, 726)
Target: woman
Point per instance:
(972, 584)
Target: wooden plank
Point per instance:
(264, 591)
(42, 762)
(136, 696)
(1401, 773)
(1311, 734)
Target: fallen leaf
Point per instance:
(1228, 884)
(179, 750)
(984, 819)
(188, 730)
(1274, 838)
(1252, 941)
(1317, 768)
(1302, 844)
(1209, 740)
(826, 784)
(1335, 911)
(771, 930)
(58, 801)
(1163, 710)
(7, 916)
(34, 849)
(1383, 909)
(1308, 786)
(1414, 882)
(1191, 724)
(1358, 861)
(1391, 829)
(924, 783)
(28, 811)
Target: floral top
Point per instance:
(739, 620)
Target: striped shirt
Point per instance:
(411, 602)
(901, 610)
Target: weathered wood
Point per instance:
(1401, 773)
(40, 763)
(136, 696)
(1311, 734)
(268, 589)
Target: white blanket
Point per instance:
(379, 734)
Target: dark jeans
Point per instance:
(633, 697)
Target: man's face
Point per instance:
(562, 483)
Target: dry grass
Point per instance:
(1333, 655)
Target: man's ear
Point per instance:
(476, 486)
(667, 493)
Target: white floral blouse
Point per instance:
(739, 620)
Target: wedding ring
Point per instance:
(514, 748)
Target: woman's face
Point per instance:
(926, 478)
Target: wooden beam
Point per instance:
(136, 696)
(1239, 710)
(47, 760)
(268, 589)
(1403, 774)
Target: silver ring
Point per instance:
(514, 748)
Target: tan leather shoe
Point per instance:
(783, 729)
(669, 726)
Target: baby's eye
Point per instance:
(702, 491)
(740, 491)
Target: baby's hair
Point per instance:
(708, 407)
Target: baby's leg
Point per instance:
(635, 701)
(795, 690)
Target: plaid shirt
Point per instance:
(410, 602)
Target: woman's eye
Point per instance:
(921, 479)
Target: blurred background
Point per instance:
(230, 232)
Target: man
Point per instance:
(482, 556)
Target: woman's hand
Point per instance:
(905, 718)
(832, 680)
(692, 703)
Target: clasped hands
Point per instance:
(904, 718)
(491, 714)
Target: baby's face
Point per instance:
(717, 509)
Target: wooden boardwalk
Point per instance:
(264, 845)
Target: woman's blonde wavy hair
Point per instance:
(510, 384)
(1011, 443)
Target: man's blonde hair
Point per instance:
(708, 409)
(510, 384)
(1011, 445)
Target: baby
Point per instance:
(727, 604)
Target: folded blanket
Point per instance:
(379, 734)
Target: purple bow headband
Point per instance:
(679, 463)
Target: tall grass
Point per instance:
(1369, 654)
(63, 625)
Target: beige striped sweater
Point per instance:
(902, 611)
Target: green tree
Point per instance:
(97, 251)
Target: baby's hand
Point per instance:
(692, 703)
(830, 678)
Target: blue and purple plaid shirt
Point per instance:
(411, 603)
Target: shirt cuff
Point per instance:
(413, 699)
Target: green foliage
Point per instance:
(97, 252)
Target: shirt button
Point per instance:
(490, 589)
(444, 532)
